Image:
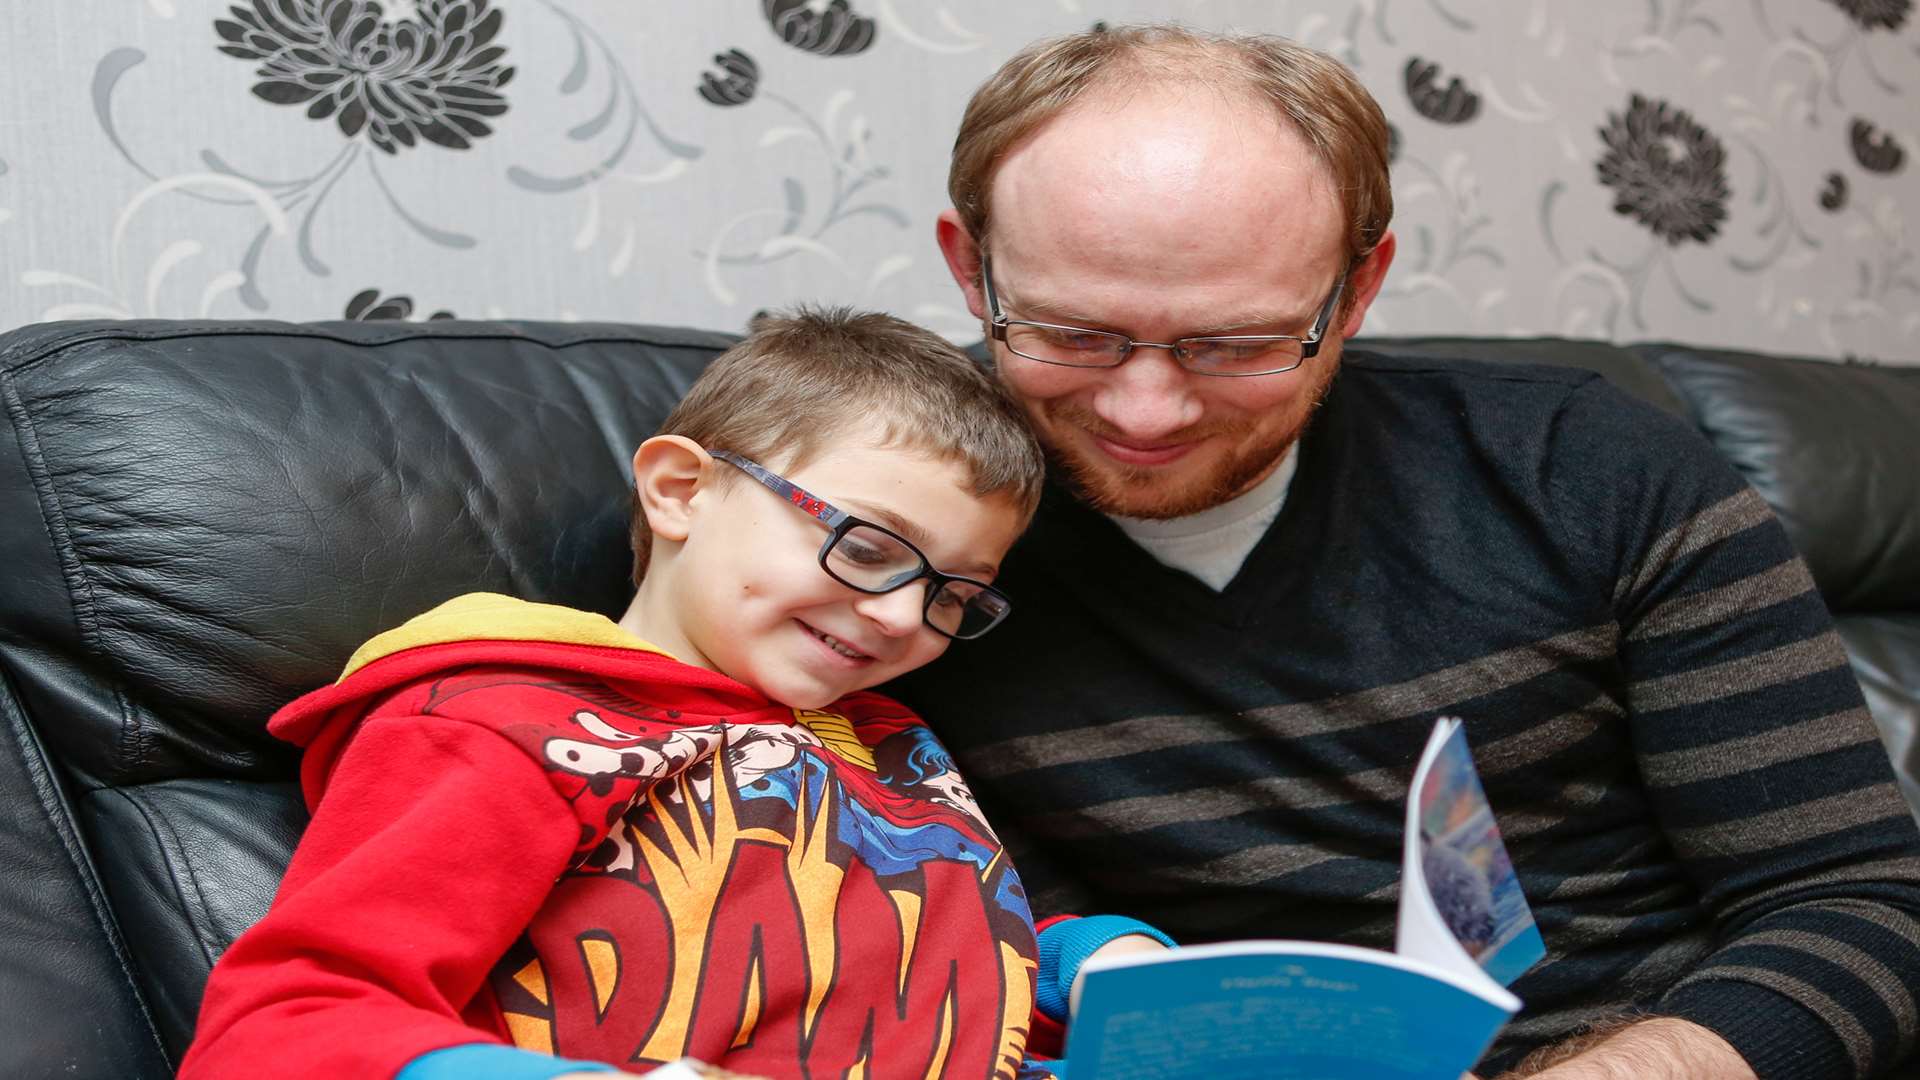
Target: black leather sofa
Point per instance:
(199, 521)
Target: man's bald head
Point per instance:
(1316, 97)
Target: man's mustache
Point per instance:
(1084, 418)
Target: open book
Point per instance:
(1293, 1010)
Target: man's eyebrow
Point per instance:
(915, 535)
(1056, 312)
(1260, 325)
(1280, 324)
(1259, 321)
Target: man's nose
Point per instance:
(1147, 397)
(897, 613)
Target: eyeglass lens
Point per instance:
(1073, 347)
(874, 561)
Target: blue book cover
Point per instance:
(1276, 1010)
(1291, 1010)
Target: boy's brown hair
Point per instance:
(800, 380)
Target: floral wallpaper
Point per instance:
(1726, 172)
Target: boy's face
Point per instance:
(753, 603)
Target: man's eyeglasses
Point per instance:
(874, 559)
(1231, 355)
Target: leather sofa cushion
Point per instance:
(71, 1008)
(1885, 653)
(207, 519)
(190, 865)
(1833, 448)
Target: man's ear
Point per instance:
(963, 259)
(667, 470)
(1364, 284)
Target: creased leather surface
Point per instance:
(190, 865)
(1885, 652)
(67, 1004)
(231, 513)
(1834, 448)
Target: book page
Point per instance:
(1461, 907)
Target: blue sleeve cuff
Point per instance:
(492, 1061)
(1065, 945)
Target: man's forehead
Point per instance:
(1152, 174)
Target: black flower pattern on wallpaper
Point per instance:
(1666, 171)
(1876, 14)
(1449, 104)
(1833, 194)
(368, 306)
(400, 72)
(828, 30)
(1875, 150)
(833, 30)
(739, 77)
(434, 75)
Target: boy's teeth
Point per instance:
(844, 650)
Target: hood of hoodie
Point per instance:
(488, 628)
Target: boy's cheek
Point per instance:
(931, 652)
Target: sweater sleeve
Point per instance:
(1760, 763)
(397, 903)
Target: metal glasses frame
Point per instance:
(1309, 345)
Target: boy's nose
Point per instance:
(896, 613)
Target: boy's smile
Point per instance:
(744, 593)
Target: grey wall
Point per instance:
(1717, 171)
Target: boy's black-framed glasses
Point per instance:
(874, 559)
(1224, 355)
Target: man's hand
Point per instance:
(1662, 1048)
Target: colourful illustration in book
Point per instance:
(1468, 874)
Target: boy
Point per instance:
(691, 832)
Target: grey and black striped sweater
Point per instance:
(1693, 794)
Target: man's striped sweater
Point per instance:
(1692, 792)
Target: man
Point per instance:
(1265, 568)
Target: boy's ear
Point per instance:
(666, 473)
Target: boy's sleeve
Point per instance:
(491, 1061)
(436, 842)
(1066, 941)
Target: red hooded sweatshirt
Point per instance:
(530, 827)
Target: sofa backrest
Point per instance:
(200, 522)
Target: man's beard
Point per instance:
(1137, 492)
